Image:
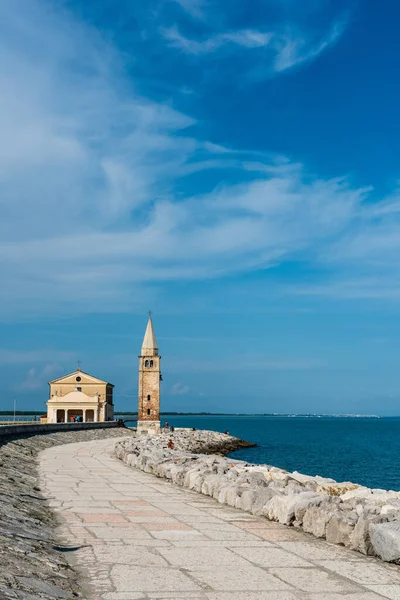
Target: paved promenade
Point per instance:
(145, 538)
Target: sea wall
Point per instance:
(7, 431)
(33, 564)
(363, 519)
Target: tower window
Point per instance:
(148, 397)
(151, 363)
(147, 363)
(148, 411)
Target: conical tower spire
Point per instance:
(149, 346)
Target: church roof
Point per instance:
(149, 346)
(88, 378)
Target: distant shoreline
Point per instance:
(19, 413)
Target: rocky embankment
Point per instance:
(201, 441)
(366, 520)
(33, 564)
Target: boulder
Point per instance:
(316, 518)
(304, 502)
(360, 540)
(246, 500)
(385, 540)
(339, 528)
(283, 508)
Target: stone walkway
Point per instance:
(145, 538)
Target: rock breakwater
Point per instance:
(363, 519)
(33, 564)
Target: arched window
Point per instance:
(148, 397)
(151, 363)
(148, 411)
(147, 363)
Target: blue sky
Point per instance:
(233, 167)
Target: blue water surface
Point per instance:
(361, 450)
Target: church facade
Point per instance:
(149, 383)
(79, 396)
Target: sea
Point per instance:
(363, 450)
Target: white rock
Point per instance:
(339, 529)
(385, 540)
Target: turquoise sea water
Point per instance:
(361, 450)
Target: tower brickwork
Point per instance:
(149, 383)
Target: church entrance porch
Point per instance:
(89, 418)
(75, 414)
(60, 417)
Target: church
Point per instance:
(79, 396)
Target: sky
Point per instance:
(232, 167)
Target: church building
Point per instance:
(80, 396)
(149, 383)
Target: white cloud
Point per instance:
(293, 50)
(195, 8)
(178, 389)
(246, 38)
(229, 230)
(287, 47)
(88, 145)
(36, 379)
(89, 172)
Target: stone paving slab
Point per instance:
(145, 539)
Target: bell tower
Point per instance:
(149, 383)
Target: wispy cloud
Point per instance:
(96, 169)
(195, 8)
(246, 38)
(36, 379)
(286, 46)
(179, 389)
(228, 230)
(293, 50)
